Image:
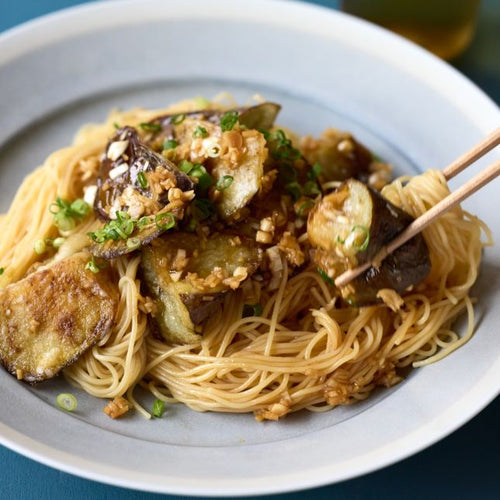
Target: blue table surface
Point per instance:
(466, 464)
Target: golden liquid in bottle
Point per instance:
(444, 27)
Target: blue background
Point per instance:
(463, 465)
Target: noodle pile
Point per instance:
(302, 352)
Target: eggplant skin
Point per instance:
(140, 159)
(259, 117)
(182, 305)
(349, 227)
(406, 267)
(51, 317)
(340, 155)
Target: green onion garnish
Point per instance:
(92, 266)
(185, 166)
(252, 310)
(150, 127)
(201, 102)
(144, 221)
(58, 242)
(311, 188)
(366, 241)
(158, 408)
(116, 125)
(281, 147)
(66, 401)
(228, 120)
(293, 188)
(178, 119)
(325, 277)
(169, 223)
(305, 208)
(200, 131)
(66, 212)
(40, 246)
(315, 171)
(170, 144)
(120, 228)
(224, 182)
(204, 178)
(1, 270)
(202, 209)
(133, 243)
(141, 177)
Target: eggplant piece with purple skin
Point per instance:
(349, 226)
(259, 117)
(135, 180)
(130, 176)
(340, 155)
(187, 278)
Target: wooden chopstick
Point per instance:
(473, 154)
(457, 196)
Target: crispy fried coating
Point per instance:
(52, 316)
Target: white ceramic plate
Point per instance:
(326, 68)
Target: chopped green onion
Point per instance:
(200, 132)
(293, 188)
(281, 147)
(58, 242)
(121, 227)
(311, 188)
(141, 177)
(202, 209)
(340, 241)
(228, 120)
(224, 182)
(66, 401)
(325, 277)
(144, 221)
(133, 243)
(366, 241)
(65, 212)
(201, 102)
(305, 208)
(315, 171)
(1, 270)
(158, 408)
(204, 178)
(168, 224)
(150, 127)
(92, 266)
(170, 144)
(40, 246)
(185, 166)
(178, 119)
(116, 125)
(376, 158)
(252, 310)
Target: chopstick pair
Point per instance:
(457, 196)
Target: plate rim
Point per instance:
(485, 112)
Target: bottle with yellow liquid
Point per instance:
(444, 27)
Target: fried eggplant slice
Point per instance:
(259, 117)
(187, 278)
(135, 179)
(246, 172)
(349, 226)
(341, 157)
(52, 316)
